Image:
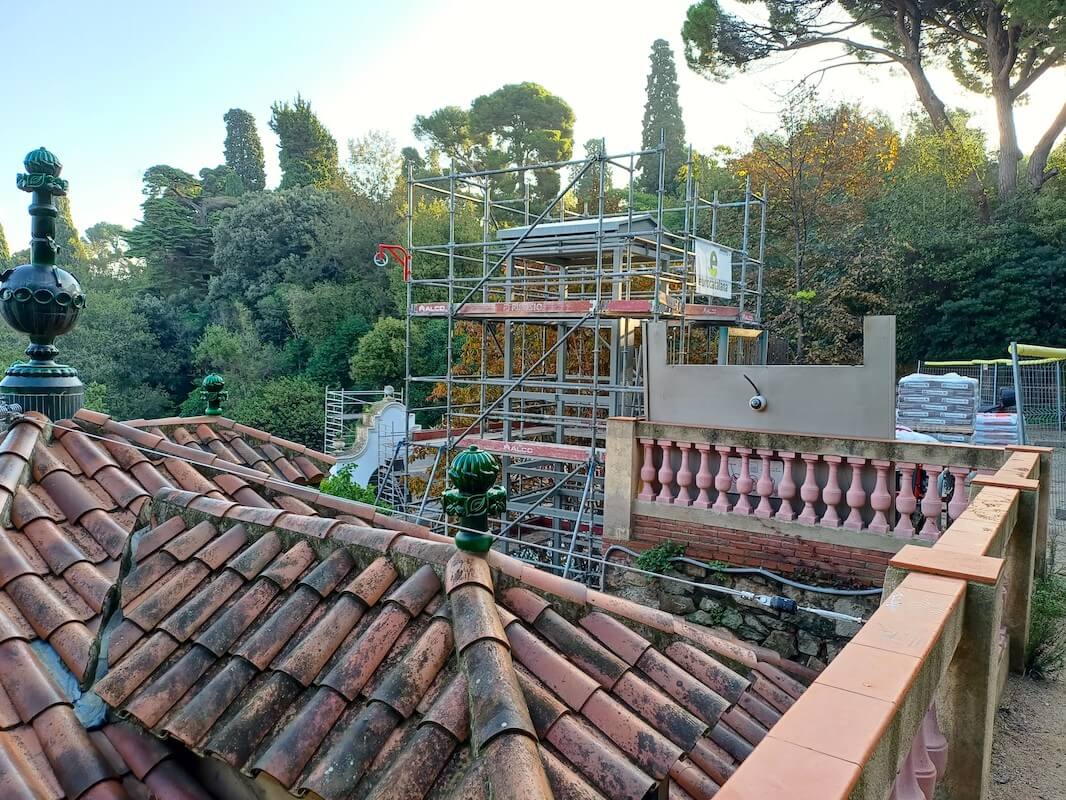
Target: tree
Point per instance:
(107, 252)
(823, 170)
(662, 112)
(994, 46)
(72, 252)
(380, 359)
(289, 407)
(586, 190)
(244, 151)
(307, 151)
(274, 241)
(174, 235)
(5, 253)
(518, 124)
(374, 166)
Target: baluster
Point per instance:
(786, 489)
(831, 494)
(881, 498)
(932, 505)
(647, 472)
(744, 483)
(723, 481)
(924, 769)
(809, 491)
(666, 473)
(905, 501)
(684, 476)
(703, 477)
(906, 786)
(935, 743)
(959, 497)
(855, 496)
(765, 486)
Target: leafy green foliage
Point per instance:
(244, 150)
(287, 406)
(657, 559)
(5, 253)
(307, 151)
(662, 112)
(1046, 653)
(1000, 48)
(341, 484)
(381, 357)
(520, 123)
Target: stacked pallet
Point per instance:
(944, 406)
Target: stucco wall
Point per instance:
(849, 401)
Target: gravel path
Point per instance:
(1029, 751)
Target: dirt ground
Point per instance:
(1029, 751)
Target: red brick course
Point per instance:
(777, 552)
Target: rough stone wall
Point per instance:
(787, 555)
(805, 637)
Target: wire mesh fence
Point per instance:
(1040, 400)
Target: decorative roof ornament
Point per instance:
(473, 497)
(213, 392)
(42, 300)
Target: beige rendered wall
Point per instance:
(851, 401)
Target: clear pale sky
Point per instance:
(114, 87)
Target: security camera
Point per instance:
(758, 402)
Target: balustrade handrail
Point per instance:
(954, 611)
(976, 457)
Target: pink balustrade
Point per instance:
(926, 761)
(904, 499)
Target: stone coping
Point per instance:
(852, 730)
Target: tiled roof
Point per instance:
(313, 642)
(47, 753)
(322, 654)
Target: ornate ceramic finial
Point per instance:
(42, 300)
(473, 497)
(213, 392)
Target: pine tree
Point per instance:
(72, 250)
(308, 152)
(244, 151)
(5, 253)
(587, 190)
(662, 111)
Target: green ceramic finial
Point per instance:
(213, 392)
(42, 301)
(473, 497)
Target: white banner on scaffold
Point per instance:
(714, 269)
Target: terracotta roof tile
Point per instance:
(337, 772)
(229, 625)
(683, 687)
(260, 553)
(562, 677)
(367, 652)
(13, 562)
(273, 634)
(219, 550)
(257, 710)
(294, 745)
(210, 597)
(194, 719)
(156, 698)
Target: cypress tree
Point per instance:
(307, 150)
(5, 253)
(662, 111)
(244, 151)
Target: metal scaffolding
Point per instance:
(540, 315)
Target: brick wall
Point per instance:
(779, 553)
